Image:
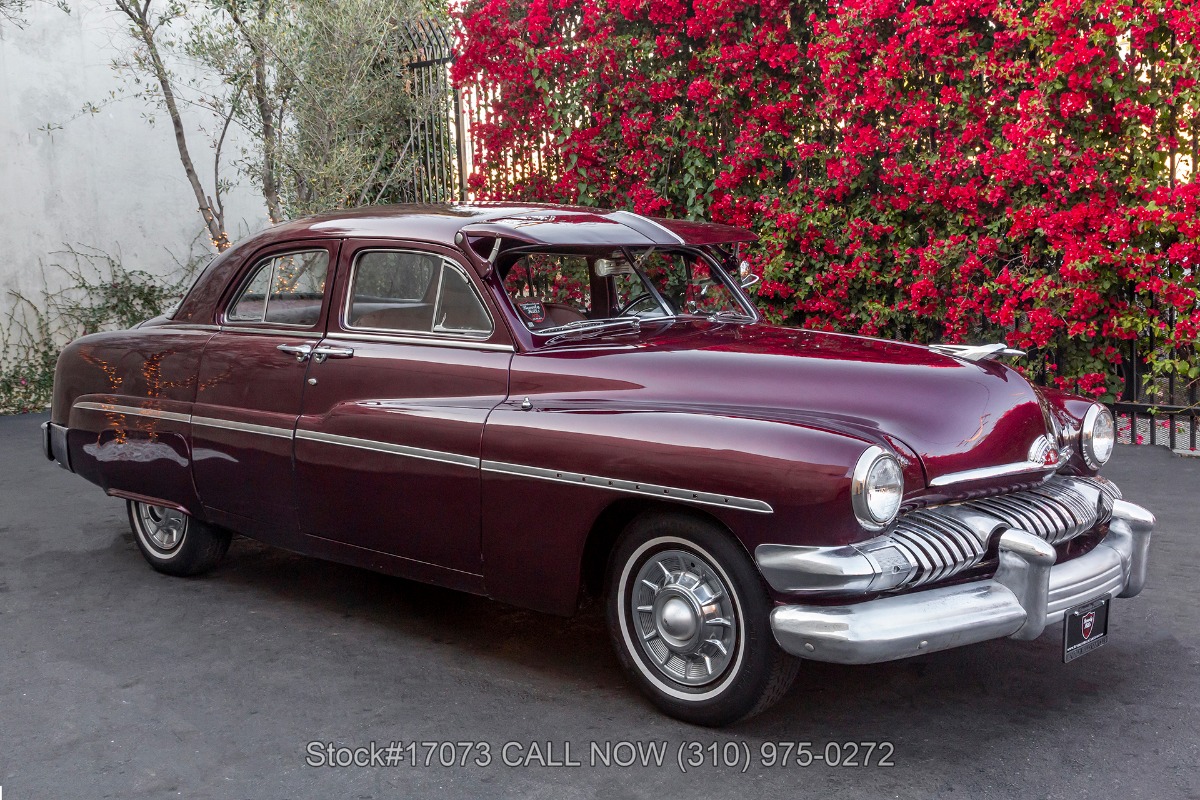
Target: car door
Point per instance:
(250, 385)
(387, 445)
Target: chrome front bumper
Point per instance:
(1028, 592)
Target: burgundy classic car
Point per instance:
(540, 403)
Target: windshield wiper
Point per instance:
(587, 328)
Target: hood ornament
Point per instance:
(976, 352)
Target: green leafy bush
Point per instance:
(98, 293)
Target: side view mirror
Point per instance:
(746, 278)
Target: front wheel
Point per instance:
(689, 617)
(173, 542)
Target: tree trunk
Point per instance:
(139, 15)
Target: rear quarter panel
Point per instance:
(118, 392)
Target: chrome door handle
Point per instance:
(300, 351)
(325, 351)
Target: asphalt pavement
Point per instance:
(118, 682)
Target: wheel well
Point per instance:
(609, 525)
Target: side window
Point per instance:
(284, 290)
(412, 292)
(551, 278)
(251, 304)
(459, 309)
(687, 283)
(550, 289)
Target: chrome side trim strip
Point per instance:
(390, 339)
(208, 422)
(246, 427)
(189, 326)
(614, 484)
(982, 473)
(137, 411)
(392, 449)
(633, 487)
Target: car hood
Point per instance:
(954, 414)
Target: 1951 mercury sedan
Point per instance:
(533, 403)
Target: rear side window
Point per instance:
(413, 292)
(286, 289)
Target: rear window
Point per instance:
(286, 289)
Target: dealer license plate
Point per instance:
(1085, 628)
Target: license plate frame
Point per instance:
(1085, 628)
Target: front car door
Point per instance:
(251, 381)
(388, 442)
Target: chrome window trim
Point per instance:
(188, 326)
(245, 427)
(233, 325)
(632, 487)
(389, 448)
(139, 411)
(437, 302)
(419, 340)
(307, 333)
(227, 323)
(445, 262)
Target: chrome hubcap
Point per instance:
(163, 527)
(685, 618)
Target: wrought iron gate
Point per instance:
(437, 136)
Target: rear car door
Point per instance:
(250, 385)
(388, 442)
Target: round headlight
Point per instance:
(876, 488)
(1098, 436)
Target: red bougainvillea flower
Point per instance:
(943, 170)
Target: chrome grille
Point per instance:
(945, 540)
(938, 543)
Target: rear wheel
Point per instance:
(689, 617)
(173, 542)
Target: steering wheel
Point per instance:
(627, 310)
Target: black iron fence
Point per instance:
(437, 135)
(1159, 410)
(1164, 411)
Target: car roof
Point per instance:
(462, 226)
(532, 223)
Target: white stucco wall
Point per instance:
(109, 180)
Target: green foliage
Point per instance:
(333, 114)
(99, 293)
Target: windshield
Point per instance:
(557, 291)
